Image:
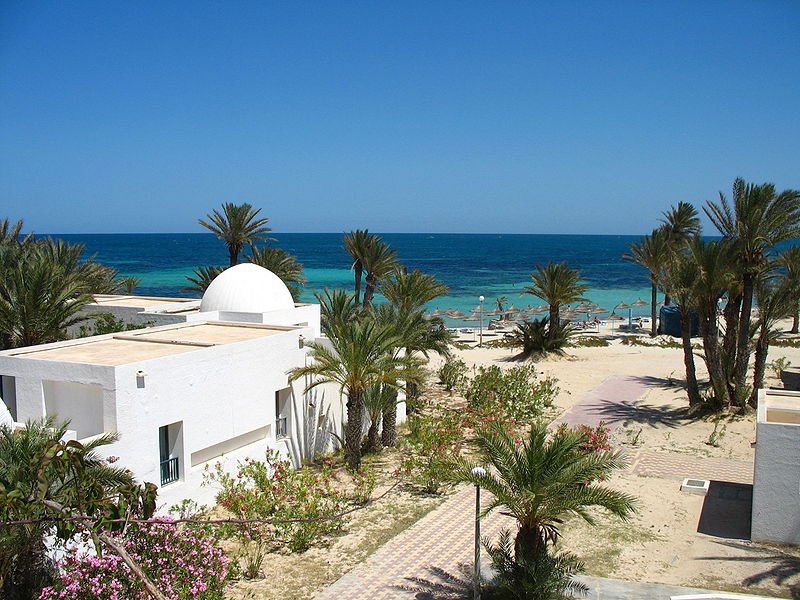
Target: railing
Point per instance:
(281, 427)
(169, 471)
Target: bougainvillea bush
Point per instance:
(273, 490)
(183, 564)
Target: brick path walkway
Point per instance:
(679, 466)
(442, 539)
(612, 401)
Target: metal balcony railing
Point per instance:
(170, 471)
(281, 427)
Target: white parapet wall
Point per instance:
(776, 477)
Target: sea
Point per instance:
(471, 265)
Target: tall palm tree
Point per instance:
(777, 299)
(237, 225)
(542, 481)
(757, 220)
(416, 336)
(651, 252)
(355, 244)
(379, 260)
(789, 260)
(714, 272)
(556, 284)
(360, 355)
(680, 277)
(283, 264)
(411, 290)
(202, 278)
(681, 222)
(376, 401)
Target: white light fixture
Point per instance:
(140, 379)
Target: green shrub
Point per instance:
(588, 341)
(514, 394)
(429, 449)
(272, 489)
(452, 374)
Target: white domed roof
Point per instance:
(246, 288)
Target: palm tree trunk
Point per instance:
(373, 437)
(688, 357)
(653, 303)
(743, 341)
(795, 321)
(667, 300)
(233, 254)
(389, 430)
(369, 292)
(353, 434)
(762, 348)
(716, 373)
(357, 270)
(552, 327)
(528, 543)
(731, 314)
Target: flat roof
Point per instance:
(146, 344)
(140, 301)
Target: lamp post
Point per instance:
(476, 576)
(481, 299)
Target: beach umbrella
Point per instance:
(457, 314)
(613, 317)
(640, 302)
(583, 307)
(435, 313)
(623, 306)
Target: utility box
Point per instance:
(776, 476)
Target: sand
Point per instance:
(661, 543)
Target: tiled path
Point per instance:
(442, 539)
(679, 466)
(612, 402)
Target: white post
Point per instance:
(481, 299)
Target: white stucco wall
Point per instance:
(776, 478)
(81, 403)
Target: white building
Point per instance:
(776, 477)
(211, 387)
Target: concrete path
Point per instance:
(612, 402)
(670, 465)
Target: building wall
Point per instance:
(81, 403)
(776, 482)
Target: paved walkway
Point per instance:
(612, 402)
(666, 465)
(442, 539)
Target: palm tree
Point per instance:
(680, 277)
(27, 468)
(415, 335)
(41, 297)
(651, 252)
(411, 290)
(533, 336)
(376, 400)
(360, 355)
(128, 284)
(202, 278)
(789, 260)
(777, 299)
(237, 225)
(714, 274)
(680, 223)
(556, 284)
(355, 244)
(283, 264)
(379, 260)
(543, 480)
(758, 219)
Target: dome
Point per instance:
(246, 288)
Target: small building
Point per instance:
(213, 386)
(776, 477)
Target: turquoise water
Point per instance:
(471, 265)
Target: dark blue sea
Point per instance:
(471, 265)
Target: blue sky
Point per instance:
(519, 117)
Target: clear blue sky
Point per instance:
(524, 117)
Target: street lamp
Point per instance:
(481, 299)
(476, 576)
